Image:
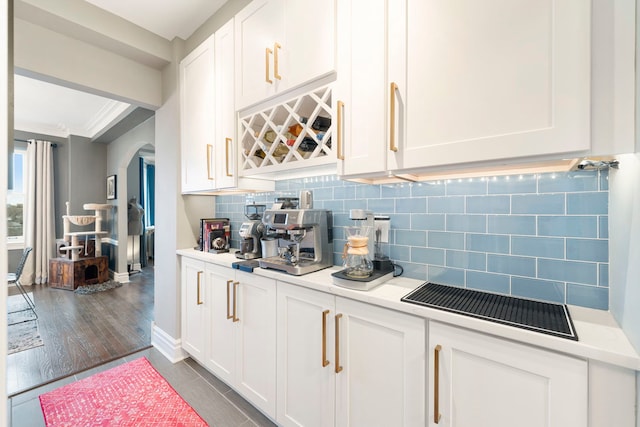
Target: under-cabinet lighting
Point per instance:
(563, 165)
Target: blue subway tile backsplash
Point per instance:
(541, 236)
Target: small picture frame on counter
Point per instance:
(215, 235)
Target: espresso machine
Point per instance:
(304, 237)
(250, 233)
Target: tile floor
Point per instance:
(211, 398)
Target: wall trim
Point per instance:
(120, 277)
(170, 347)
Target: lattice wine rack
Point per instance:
(295, 133)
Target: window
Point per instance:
(16, 198)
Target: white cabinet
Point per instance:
(208, 118)
(430, 85)
(229, 325)
(342, 362)
(195, 313)
(197, 112)
(242, 348)
(281, 44)
(482, 381)
(225, 118)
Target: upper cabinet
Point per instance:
(441, 84)
(208, 118)
(281, 44)
(197, 127)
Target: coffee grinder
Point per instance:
(365, 266)
(250, 232)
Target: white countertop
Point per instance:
(600, 337)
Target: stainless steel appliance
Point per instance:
(251, 232)
(304, 237)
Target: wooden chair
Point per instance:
(14, 278)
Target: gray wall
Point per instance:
(79, 176)
(133, 178)
(87, 174)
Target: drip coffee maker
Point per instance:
(360, 270)
(357, 260)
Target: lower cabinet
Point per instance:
(347, 363)
(195, 313)
(234, 324)
(310, 358)
(482, 381)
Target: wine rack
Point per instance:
(293, 134)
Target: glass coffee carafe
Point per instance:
(357, 260)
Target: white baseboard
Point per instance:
(121, 277)
(170, 347)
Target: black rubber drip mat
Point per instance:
(547, 318)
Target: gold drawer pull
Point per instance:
(267, 77)
(209, 150)
(338, 367)
(235, 301)
(392, 117)
(229, 316)
(325, 362)
(198, 300)
(436, 384)
(340, 153)
(276, 47)
(227, 141)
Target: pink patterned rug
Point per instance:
(133, 394)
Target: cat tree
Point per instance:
(76, 268)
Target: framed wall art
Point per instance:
(112, 190)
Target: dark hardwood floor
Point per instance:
(83, 331)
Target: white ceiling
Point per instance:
(50, 109)
(58, 111)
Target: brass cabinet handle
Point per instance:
(436, 384)
(340, 154)
(227, 141)
(276, 46)
(235, 301)
(209, 150)
(229, 316)
(198, 300)
(338, 367)
(392, 117)
(266, 66)
(325, 362)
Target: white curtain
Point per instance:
(39, 227)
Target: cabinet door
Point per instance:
(259, 26)
(491, 80)
(256, 340)
(361, 89)
(308, 51)
(382, 356)
(306, 364)
(194, 308)
(221, 354)
(197, 96)
(490, 382)
(225, 119)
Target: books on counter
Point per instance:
(215, 235)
